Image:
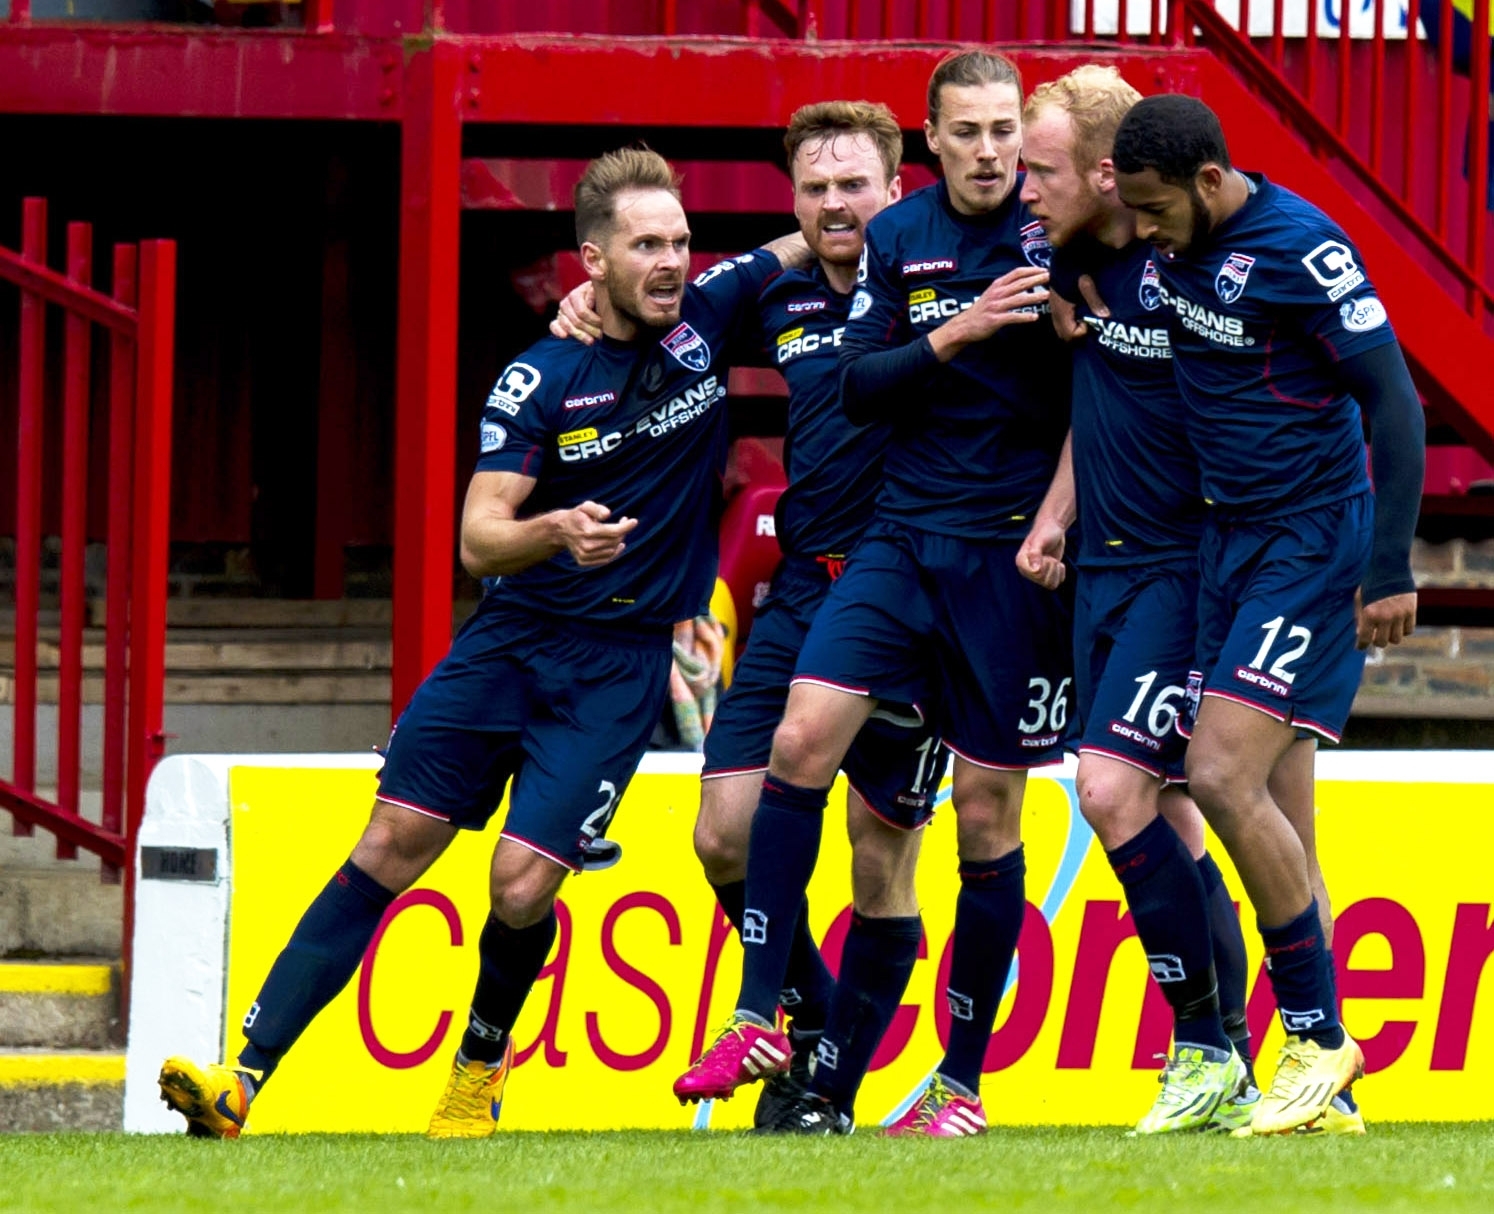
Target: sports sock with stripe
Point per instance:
(1165, 893)
(781, 855)
(509, 960)
(874, 971)
(1301, 973)
(988, 921)
(321, 956)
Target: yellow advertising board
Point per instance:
(645, 969)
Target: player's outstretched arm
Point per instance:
(1379, 381)
(1009, 300)
(1040, 558)
(577, 316)
(792, 251)
(495, 541)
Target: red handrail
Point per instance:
(1240, 54)
(139, 452)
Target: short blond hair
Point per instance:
(1096, 98)
(612, 174)
(826, 119)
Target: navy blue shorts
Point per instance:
(895, 762)
(565, 713)
(1134, 628)
(998, 647)
(1276, 613)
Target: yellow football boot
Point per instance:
(213, 1099)
(473, 1098)
(1307, 1079)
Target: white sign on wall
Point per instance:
(1262, 17)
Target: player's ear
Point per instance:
(1105, 176)
(931, 135)
(594, 261)
(895, 188)
(1209, 179)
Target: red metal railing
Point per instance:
(139, 318)
(1357, 100)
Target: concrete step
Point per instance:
(60, 1006)
(196, 649)
(56, 908)
(236, 687)
(253, 613)
(50, 1090)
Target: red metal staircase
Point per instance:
(553, 82)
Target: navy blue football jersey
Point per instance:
(974, 452)
(1136, 475)
(834, 468)
(1262, 310)
(639, 427)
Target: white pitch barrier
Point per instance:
(179, 967)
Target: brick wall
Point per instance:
(1437, 672)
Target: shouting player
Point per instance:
(587, 517)
(1140, 515)
(978, 408)
(1279, 342)
(843, 161)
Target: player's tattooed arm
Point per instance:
(1040, 558)
(496, 541)
(1009, 300)
(792, 251)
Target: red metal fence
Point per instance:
(1405, 118)
(137, 320)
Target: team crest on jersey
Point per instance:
(1232, 276)
(797, 307)
(1150, 291)
(688, 346)
(1035, 246)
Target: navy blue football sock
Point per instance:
(1229, 958)
(1165, 893)
(322, 954)
(1301, 974)
(509, 960)
(781, 855)
(807, 983)
(732, 895)
(874, 972)
(988, 920)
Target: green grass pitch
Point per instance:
(1396, 1167)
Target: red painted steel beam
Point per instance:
(30, 435)
(425, 371)
(733, 82)
(1449, 351)
(73, 831)
(57, 289)
(195, 72)
(77, 344)
(154, 365)
(118, 559)
(146, 742)
(187, 71)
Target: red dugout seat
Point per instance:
(749, 550)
